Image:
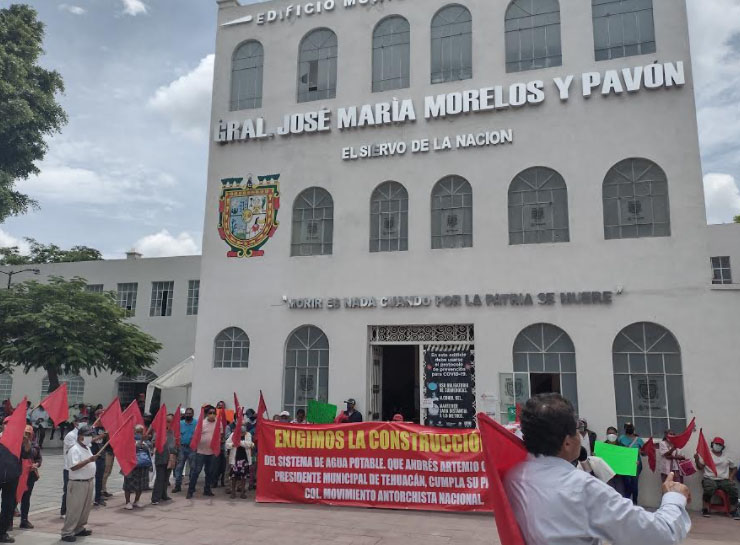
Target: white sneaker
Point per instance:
(128, 507)
(136, 504)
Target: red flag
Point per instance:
(159, 425)
(124, 445)
(111, 417)
(133, 410)
(648, 449)
(702, 449)
(261, 411)
(218, 431)
(239, 422)
(198, 432)
(56, 405)
(14, 429)
(680, 440)
(23, 482)
(176, 426)
(502, 450)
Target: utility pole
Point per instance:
(10, 274)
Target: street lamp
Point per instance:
(10, 274)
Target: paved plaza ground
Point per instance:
(222, 521)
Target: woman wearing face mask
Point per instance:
(722, 480)
(240, 458)
(136, 481)
(612, 436)
(631, 440)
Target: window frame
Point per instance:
(640, 47)
(237, 339)
(6, 385)
(522, 185)
(316, 341)
(95, 288)
(256, 101)
(75, 387)
(550, 58)
(396, 196)
(124, 289)
(402, 80)
(193, 298)
(445, 75)
(459, 190)
(328, 93)
(322, 201)
(160, 305)
(723, 266)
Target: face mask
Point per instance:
(87, 441)
(612, 437)
(629, 430)
(188, 419)
(717, 449)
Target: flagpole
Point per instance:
(110, 438)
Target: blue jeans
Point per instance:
(182, 458)
(198, 463)
(631, 488)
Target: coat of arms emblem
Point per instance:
(248, 214)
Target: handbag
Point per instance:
(143, 459)
(686, 468)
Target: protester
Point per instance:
(164, 463)
(99, 440)
(188, 423)
(221, 460)
(631, 440)
(588, 437)
(612, 436)
(40, 421)
(556, 504)
(670, 456)
(398, 417)
(138, 480)
(300, 417)
(722, 480)
(252, 429)
(141, 402)
(69, 441)
(203, 458)
(31, 451)
(284, 417)
(10, 472)
(81, 486)
(351, 415)
(109, 457)
(240, 446)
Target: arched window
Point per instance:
(306, 368)
(389, 218)
(452, 44)
(538, 207)
(648, 379)
(391, 52)
(623, 28)
(246, 76)
(317, 66)
(313, 223)
(545, 362)
(130, 386)
(75, 388)
(452, 213)
(6, 386)
(532, 35)
(636, 201)
(231, 349)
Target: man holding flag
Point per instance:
(556, 504)
(719, 474)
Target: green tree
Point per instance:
(47, 253)
(737, 219)
(63, 329)
(28, 107)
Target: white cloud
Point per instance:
(163, 244)
(134, 7)
(186, 102)
(7, 240)
(722, 198)
(74, 10)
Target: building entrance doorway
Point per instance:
(544, 383)
(400, 382)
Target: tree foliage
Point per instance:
(737, 219)
(28, 107)
(63, 329)
(47, 253)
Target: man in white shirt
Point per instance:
(69, 441)
(40, 421)
(81, 486)
(557, 504)
(723, 480)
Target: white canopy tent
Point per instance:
(180, 376)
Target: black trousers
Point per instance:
(64, 492)
(26, 499)
(99, 472)
(161, 482)
(40, 436)
(7, 504)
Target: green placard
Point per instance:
(321, 413)
(511, 412)
(623, 460)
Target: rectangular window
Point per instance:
(721, 271)
(161, 304)
(193, 297)
(623, 28)
(127, 297)
(94, 288)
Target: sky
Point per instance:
(129, 169)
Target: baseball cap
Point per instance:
(351, 401)
(719, 441)
(285, 413)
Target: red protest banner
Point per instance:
(380, 464)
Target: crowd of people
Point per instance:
(232, 464)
